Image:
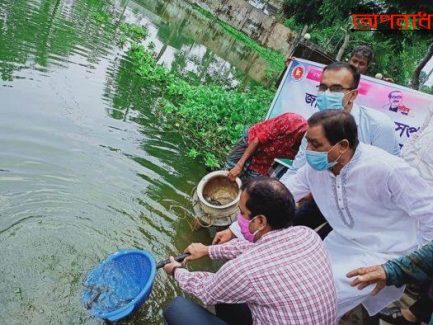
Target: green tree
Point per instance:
(399, 54)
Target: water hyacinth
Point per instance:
(210, 117)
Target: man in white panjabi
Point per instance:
(378, 206)
(418, 150)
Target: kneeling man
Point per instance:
(378, 206)
(281, 275)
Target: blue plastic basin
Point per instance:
(119, 285)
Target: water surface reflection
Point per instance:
(86, 167)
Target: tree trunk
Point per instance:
(297, 39)
(343, 46)
(415, 77)
(304, 30)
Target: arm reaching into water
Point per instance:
(249, 151)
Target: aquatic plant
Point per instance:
(134, 32)
(131, 32)
(210, 117)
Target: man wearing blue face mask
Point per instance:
(338, 90)
(378, 206)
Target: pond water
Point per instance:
(86, 168)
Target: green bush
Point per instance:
(210, 117)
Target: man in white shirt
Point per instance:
(418, 152)
(338, 89)
(378, 206)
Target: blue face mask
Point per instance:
(329, 100)
(318, 160)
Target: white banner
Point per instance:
(297, 93)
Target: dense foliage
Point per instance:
(210, 117)
(397, 53)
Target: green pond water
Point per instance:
(86, 167)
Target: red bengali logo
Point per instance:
(298, 73)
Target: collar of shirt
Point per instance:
(353, 160)
(268, 236)
(356, 112)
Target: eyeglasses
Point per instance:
(333, 88)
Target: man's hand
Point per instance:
(168, 268)
(223, 236)
(234, 172)
(197, 251)
(369, 275)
